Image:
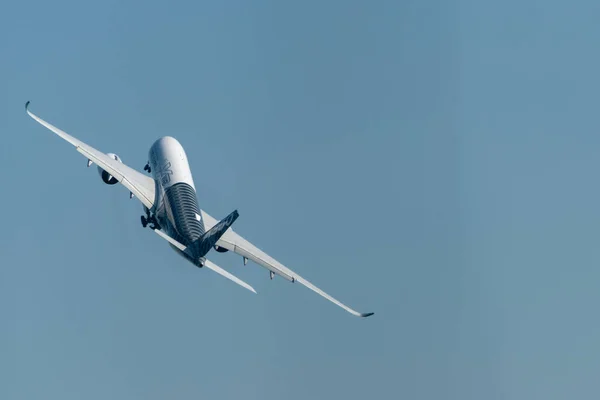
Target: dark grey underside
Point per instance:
(182, 202)
(108, 179)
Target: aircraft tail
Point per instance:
(209, 239)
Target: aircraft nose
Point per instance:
(168, 141)
(166, 144)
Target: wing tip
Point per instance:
(365, 315)
(250, 288)
(27, 105)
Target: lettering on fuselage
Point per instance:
(164, 172)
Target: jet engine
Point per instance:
(106, 177)
(221, 249)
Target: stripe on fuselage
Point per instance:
(176, 201)
(181, 200)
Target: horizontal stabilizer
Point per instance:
(210, 265)
(169, 239)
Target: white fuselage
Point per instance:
(174, 214)
(176, 205)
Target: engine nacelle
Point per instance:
(221, 249)
(106, 177)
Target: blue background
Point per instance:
(433, 162)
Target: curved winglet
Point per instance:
(315, 289)
(27, 105)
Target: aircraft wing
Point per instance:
(234, 242)
(140, 185)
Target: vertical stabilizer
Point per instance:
(208, 240)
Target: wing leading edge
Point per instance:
(140, 185)
(143, 188)
(234, 242)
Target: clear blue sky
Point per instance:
(434, 162)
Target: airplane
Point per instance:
(171, 209)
